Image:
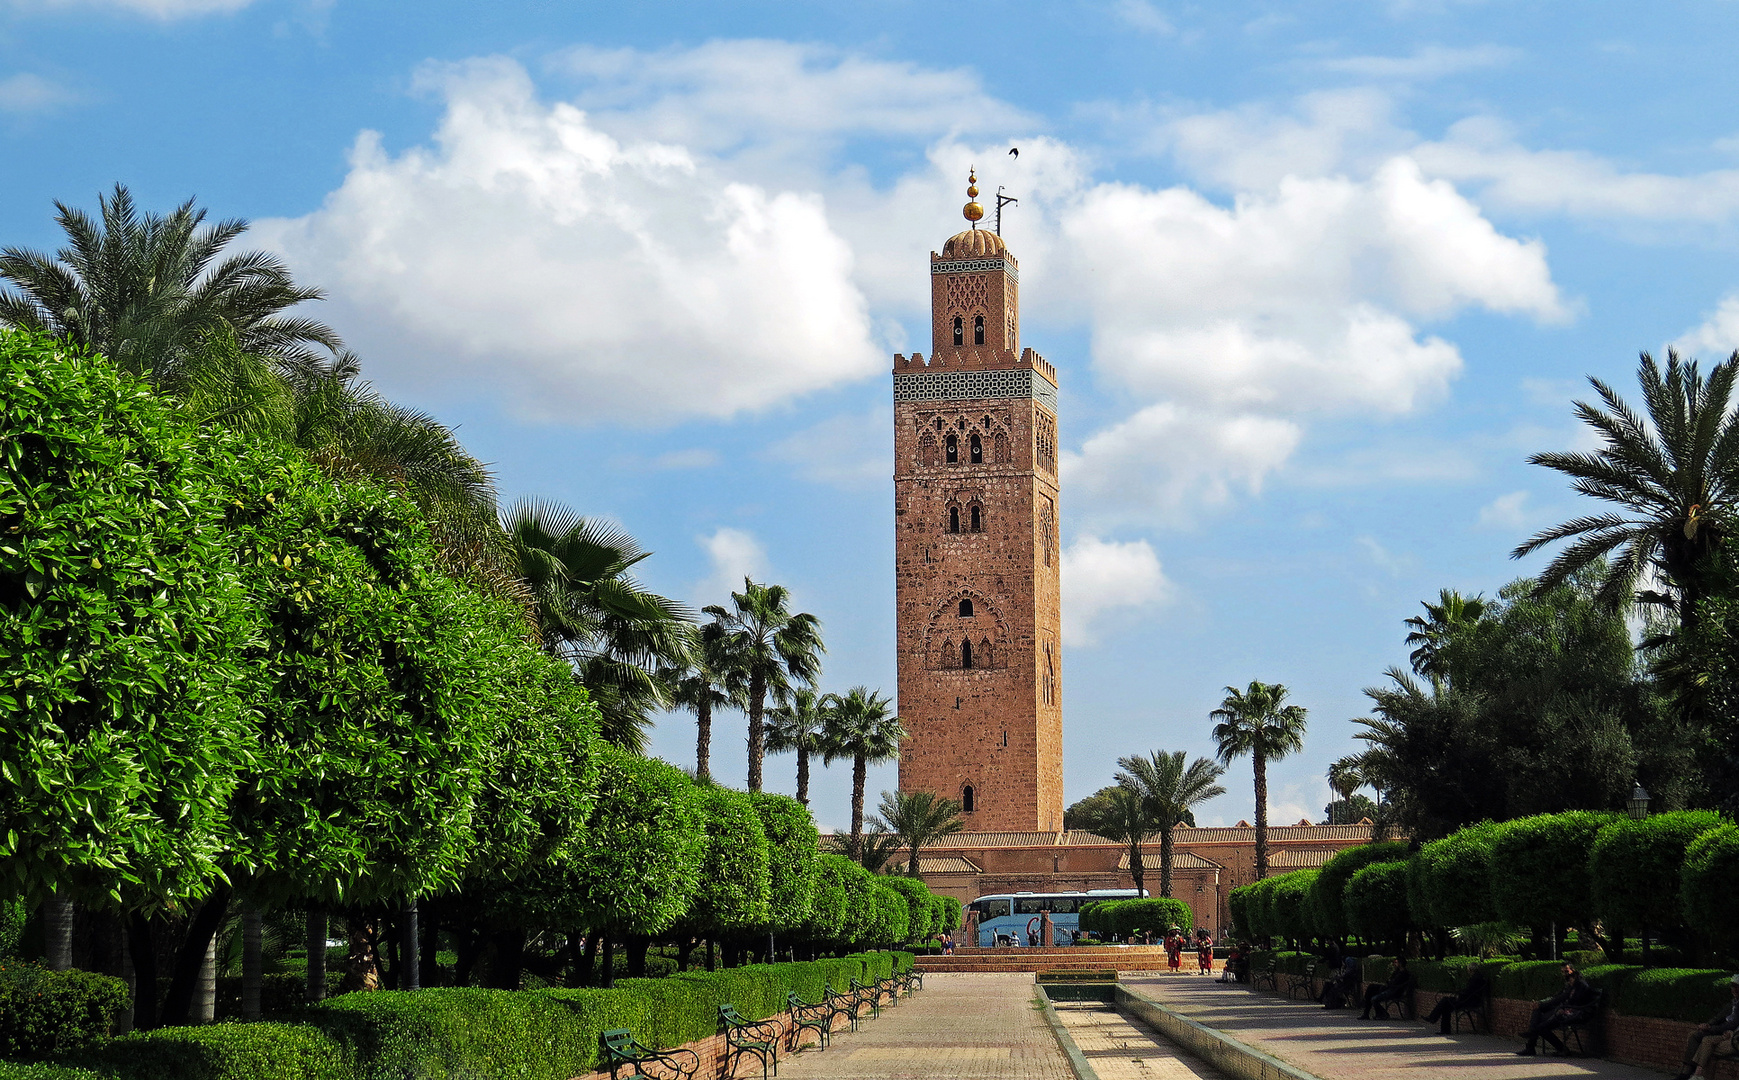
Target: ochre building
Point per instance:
(976, 549)
(979, 610)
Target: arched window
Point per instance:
(959, 331)
(978, 330)
(977, 449)
(968, 802)
(953, 519)
(953, 450)
(965, 609)
(966, 655)
(977, 519)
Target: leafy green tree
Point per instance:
(1456, 873)
(793, 846)
(1710, 882)
(1257, 722)
(920, 911)
(1171, 790)
(1540, 873)
(828, 919)
(1289, 899)
(891, 917)
(1432, 632)
(800, 726)
(1124, 817)
(1671, 478)
(1636, 867)
(122, 622)
(1375, 904)
(918, 818)
(732, 890)
(861, 725)
(146, 290)
(861, 920)
(1349, 811)
(1076, 814)
(1327, 890)
(702, 679)
(774, 651)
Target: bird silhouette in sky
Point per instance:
(1015, 151)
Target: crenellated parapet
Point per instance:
(979, 358)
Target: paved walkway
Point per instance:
(1340, 1046)
(1120, 1049)
(976, 1027)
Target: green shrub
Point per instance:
(260, 1051)
(1690, 995)
(45, 1012)
(1710, 883)
(1455, 873)
(732, 893)
(919, 910)
(893, 915)
(827, 913)
(13, 916)
(1650, 851)
(1374, 902)
(1326, 891)
(1289, 905)
(20, 1070)
(792, 845)
(951, 913)
(1528, 979)
(1448, 975)
(1238, 902)
(1539, 868)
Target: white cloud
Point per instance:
(1143, 16)
(25, 93)
(584, 277)
(1392, 564)
(734, 555)
(855, 453)
(157, 9)
(1430, 62)
(1508, 512)
(1165, 463)
(1255, 147)
(1105, 576)
(1718, 335)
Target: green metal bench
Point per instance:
(620, 1048)
(818, 1016)
(1267, 973)
(844, 1004)
(912, 979)
(868, 995)
(745, 1036)
(1305, 982)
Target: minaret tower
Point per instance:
(976, 553)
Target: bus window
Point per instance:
(1035, 905)
(1064, 905)
(991, 909)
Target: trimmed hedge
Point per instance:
(1288, 905)
(1374, 902)
(1455, 876)
(1675, 994)
(1651, 850)
(1710, 883)
(1326, 891)
(45, 1012)
(1544, 868)
(262, 1051)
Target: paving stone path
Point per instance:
(1340, 1046)
(975, 1027)
(1120, 1049)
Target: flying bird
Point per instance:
(1015, 151)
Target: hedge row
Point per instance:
(1688, 995)
(1137, 915)
(460, 1032)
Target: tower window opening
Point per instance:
(977, 450)
(977, 519)
(965, 609)
(978, 330)
(953, 519)
(938, 423)
(959, 331)
(953, 450)
(968, 799)
(987, 423)
(966, 656)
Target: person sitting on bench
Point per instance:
(1714, 1037)
(1379, 997)
(1470, 995)
(1342, 986)
(1571, 1005)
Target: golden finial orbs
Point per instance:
(973, 211)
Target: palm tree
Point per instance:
(1171, 789)
(1431, 633)
(701, 680)
(1346, 776)
(877, 847)
(774, 651)
(860, 726)
(798, 725)
(1672, 477)
(1257, 721)
(1124, 817)
(146, 290)
(594, 614)
(917, 818)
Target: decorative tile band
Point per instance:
(973, 266)
(975, 385)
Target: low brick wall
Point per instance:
(714, 1053)
(1648, 1041)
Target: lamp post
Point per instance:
(1639, 800)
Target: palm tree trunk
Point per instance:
(1165, 861)
(757, 728)
(318, 928)
(859, 774)
(57, 932)
(253, 962)
(803, 775)
(912, 863)
(1136, 869)
(703, 746)
(1261, 762)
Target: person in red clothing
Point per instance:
(1205, 954)
(1174, 948)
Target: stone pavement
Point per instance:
(975, 1027)
(1119, 1049)
(1339, 1046)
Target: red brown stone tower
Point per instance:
(976, 549)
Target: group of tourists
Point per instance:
(1177, 942)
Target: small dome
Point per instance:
(973, 244)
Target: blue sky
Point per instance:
(1316, 278)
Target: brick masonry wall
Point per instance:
(717, 1064)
